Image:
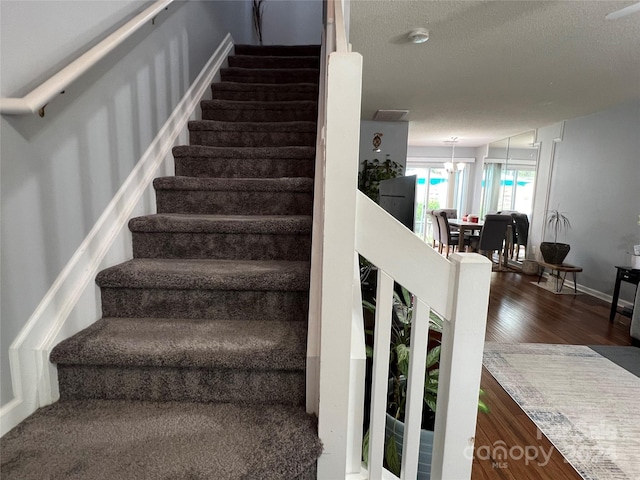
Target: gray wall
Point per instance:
(596, 181)
(292, 22)
(394, 141)
(58, 173)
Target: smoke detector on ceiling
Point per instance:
(391, 115)
(418, 35)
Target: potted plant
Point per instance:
(373, 172)
(554, 252)
(397, 390)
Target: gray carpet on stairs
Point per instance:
(234, 196)
(244, 237)
(264, 61)
(121, 440)
(252, 134)
(197, 368)
(264, 91)
(229, 162)
(266, 111)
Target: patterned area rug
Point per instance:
(586, 405)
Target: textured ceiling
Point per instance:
(494, 69)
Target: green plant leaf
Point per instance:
(430, 389)
(369, 351)
(369, 306)
(433, 356)
(365, 448)
(436, 322)
(402, 351)
(406, 296)
(392, 457)
(430, 401)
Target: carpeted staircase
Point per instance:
(197, 368)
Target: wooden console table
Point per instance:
(565, 267)
(626, 274)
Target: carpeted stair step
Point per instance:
(214, 289)
(252, 134)
(264, 61)
(278, 50)
(249, 162)
(263, 92)
(236, 361)
(234, 196)
(271, 75)
(245, 237)
(245, 111)
(101, 439)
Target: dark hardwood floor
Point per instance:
(520, 312)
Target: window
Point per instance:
(508, 177)
(507, 187)
(431, 194)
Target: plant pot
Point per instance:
(395, 431)
(554, 253)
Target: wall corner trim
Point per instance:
(33, 377)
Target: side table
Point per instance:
(625, 274)
(564, 267)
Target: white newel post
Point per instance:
(341, 171)
(461, 367)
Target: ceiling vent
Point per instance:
(391, 115)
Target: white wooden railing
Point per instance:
(347, 223)
(36, 100)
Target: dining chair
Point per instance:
(450, 212)
(492, 235)
(435, 228)
(521, 224)
(448, 239)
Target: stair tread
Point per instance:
(222, 126)
(187, 343)
(259, 105)
(201, 223)
(260, 57)
(244, 152)
(273, 70)
(281, 50)
(292, 184)
(133, 439)
(271, 87)
(260, 275)
(274, 61)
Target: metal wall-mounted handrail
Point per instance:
(36, 100)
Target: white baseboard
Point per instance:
(72, 302)
(594, 293)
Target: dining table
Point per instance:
(464, 226)
(467, 226)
